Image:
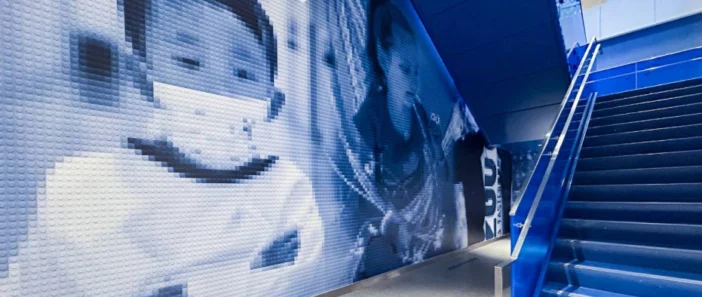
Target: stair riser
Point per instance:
(674, 236)
(646, 125)
(556, 273)
(644, 115)
(652, 90)
(692, 174)
(632, 284)
(692, 158)
(604, 103)
(637, 192)
(649, 213)
(673, 145)
(649, 105)
(642, 136)
(653, 258)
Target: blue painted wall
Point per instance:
(654, 41)
(507, 59)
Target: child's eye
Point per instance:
(244, 74)
(405, 69)
(189, 63)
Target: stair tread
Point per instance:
(649, 110)
(648, 131)
(609, 268)
(662, 133)
(563, 290)
(631, 280)
(646, 114)
(651, 212)
(647, 146)
(632, 223)
(660, 102)
(603, 101)
(675, 235)
(645, 256)
(653, 205)
(673, 121)
(614, 192)
(653, 89)
(645, 160)
(649, 185)
(674, 174)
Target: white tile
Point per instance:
(591, 17)
(667, 10)
(623, 16)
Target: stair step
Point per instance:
(647, 105)
(644, 147)
(667, 159)
(652, 90)
(562, 290)
(637, 192)
(662, 258)
(674, 121)
(603, 102)
(684, 174)
(683, 236)
(632, 224)
(644, 135)
(634, 281)
(647, 114)
(648, 212)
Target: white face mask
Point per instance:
(219, 132)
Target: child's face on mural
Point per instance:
(211, 82)
(402, 74)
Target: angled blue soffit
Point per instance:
(506, 57)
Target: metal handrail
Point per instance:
(571, 165)
(517, 203)
(554, 155)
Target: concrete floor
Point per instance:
(465, 274)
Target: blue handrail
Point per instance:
(552, 131)
(572, 163)
(532, 246)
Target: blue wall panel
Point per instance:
(666, 38)
(505, 56)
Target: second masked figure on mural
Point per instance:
(394, 153)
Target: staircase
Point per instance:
(632, 225)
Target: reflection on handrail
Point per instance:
(517, 203)
(554, 155)
(567, 179)
(582, 132)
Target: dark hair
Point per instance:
(382, 15)
(249, 12)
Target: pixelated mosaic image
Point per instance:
(214, 148)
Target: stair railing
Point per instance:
(529, 258)
(572, 164)
(547, 138)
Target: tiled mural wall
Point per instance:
(224, 147)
